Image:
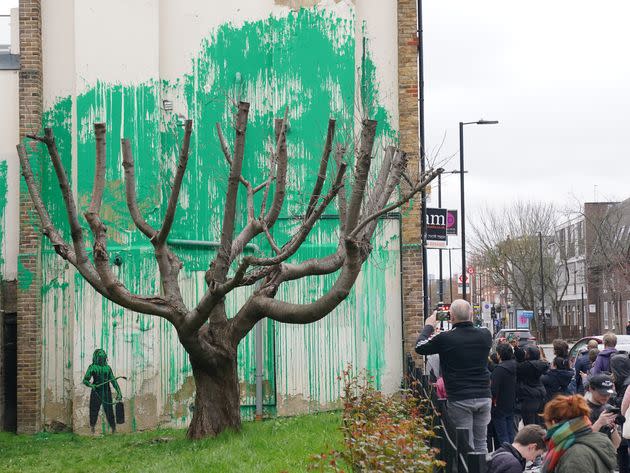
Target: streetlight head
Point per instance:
(487, 122)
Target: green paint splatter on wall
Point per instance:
(3, 206)
(305, 61)
(25, 276)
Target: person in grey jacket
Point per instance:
(528, 444)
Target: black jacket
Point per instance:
(506, 460)
(503, 386)
(582, 363)
(556, 382)
(463, 354)
(528, 375)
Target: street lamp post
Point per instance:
(542, 289)
(461, 183)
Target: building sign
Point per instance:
(436, 228)
(451, 222)
(592, 308)
(523, 317)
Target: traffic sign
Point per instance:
(461, 278)
(470, 270)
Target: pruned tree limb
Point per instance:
(321, 173)
(177, 184)
(362, 169)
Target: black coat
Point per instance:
(582, 363)
(506, 460)
(503, 386)
(528, 375)
(556, 382)
(463, 354)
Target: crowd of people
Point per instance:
(520, 407)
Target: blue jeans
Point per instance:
(474, 415)
(504, 427)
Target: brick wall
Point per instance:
(408, 124)
(29, 271)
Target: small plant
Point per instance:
(381, 433)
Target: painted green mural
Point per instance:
(304, 61)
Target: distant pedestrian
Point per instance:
(503, 387)
(583, 365)
(557, 379)
(463, 354)
(528, 445)
(628, 328)
(530, 392)
(572, 445)
(602, 363)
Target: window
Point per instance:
(605, 304)
(580, 237)
(628, 311)
(575, 316)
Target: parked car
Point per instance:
(623, 344)
(525, 337)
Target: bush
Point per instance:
(381, 433)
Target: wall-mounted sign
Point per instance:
(592, 308)
(436, 228)
(451, 222)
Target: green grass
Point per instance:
(277, 445)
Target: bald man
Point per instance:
(463, 354)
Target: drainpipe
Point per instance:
(207, 244)
(259, 369)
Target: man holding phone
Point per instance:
(463, 354)
(604, 416)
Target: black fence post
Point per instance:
(477, 462)
(462, 443)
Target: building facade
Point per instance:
(141, 68)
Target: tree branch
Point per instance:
(130, 191)
(76, 231)
(281, 175)
(222, 261)
(421, 185)
(361, 172)
(177, 184)
(321, 173)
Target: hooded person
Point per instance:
(98, 377)
(557, 379)
(530, 392)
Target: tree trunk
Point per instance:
(217, 400)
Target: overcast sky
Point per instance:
(556, 74)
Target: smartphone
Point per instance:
(613, 409)
(443, 311)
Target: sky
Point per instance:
(555, 74)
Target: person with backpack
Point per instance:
(602, 362)
(558, 379)
(528, 445)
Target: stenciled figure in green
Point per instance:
(98, 376)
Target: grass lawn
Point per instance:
(281, 444)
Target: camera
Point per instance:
(619, 419)
(443, 311)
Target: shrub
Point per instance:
(381, 433)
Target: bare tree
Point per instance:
(205, 331)
(507, 244)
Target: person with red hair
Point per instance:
(572, 446)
